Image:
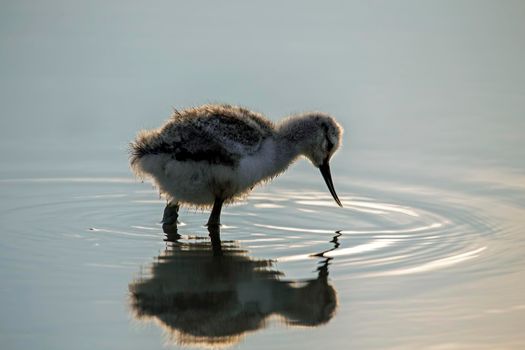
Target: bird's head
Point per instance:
(321, 137)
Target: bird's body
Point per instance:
(218, 153)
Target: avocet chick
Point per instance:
(215, 154)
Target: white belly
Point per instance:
(199, 183)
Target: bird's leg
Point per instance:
(215, 236)
(215, 216)
(169, 219)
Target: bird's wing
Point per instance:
(217, 134)
(193, 142)
(238, 134)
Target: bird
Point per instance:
(215, 154)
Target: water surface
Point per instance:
(401, 265)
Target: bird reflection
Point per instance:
(211, 293)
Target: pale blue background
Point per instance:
(444, 77)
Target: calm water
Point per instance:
(427, 253)
(404, 264)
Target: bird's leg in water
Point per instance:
(215, 216)
(171, 213)
(215, 236)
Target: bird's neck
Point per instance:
(291, 141)
(286, 153)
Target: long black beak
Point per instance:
(325, 171)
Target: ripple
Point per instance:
(51, 219)
(382, 233)
(383, 230)
(436, 264)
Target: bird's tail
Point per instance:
(141, 152)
